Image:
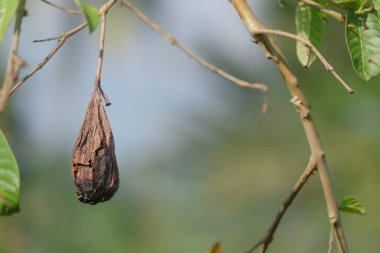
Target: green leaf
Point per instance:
(9, 179)
(7, 10)
(351, 205)
(90, 13)
(311, 25)
(347, 4)
(363, 41)
(376, 4)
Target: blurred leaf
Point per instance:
(7, 10)
(311, 25)
(283, 3)
(217, 248)
(347, 4)
(351, 205)
(376, 4)
(363, 41)
(90, 13)
(9, 179)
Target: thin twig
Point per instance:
(264, 243)
(336, 15)
(67, 10)
(102, 12)
(101, 50)
(331, 240)
(100, 60)
(307, 43)
(47, 39)
(15, 62)
(61, 40)
(174, 42)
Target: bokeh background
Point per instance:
(198, 161)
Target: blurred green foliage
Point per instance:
(226, 182)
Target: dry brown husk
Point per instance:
(94, 167)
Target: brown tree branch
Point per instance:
(268, 238)
(336, 15)
(15, 62)
(254, 26)
(205, 64)
(64, 9)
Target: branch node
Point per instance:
(333, 220)
(172, 40)
(303, 110)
